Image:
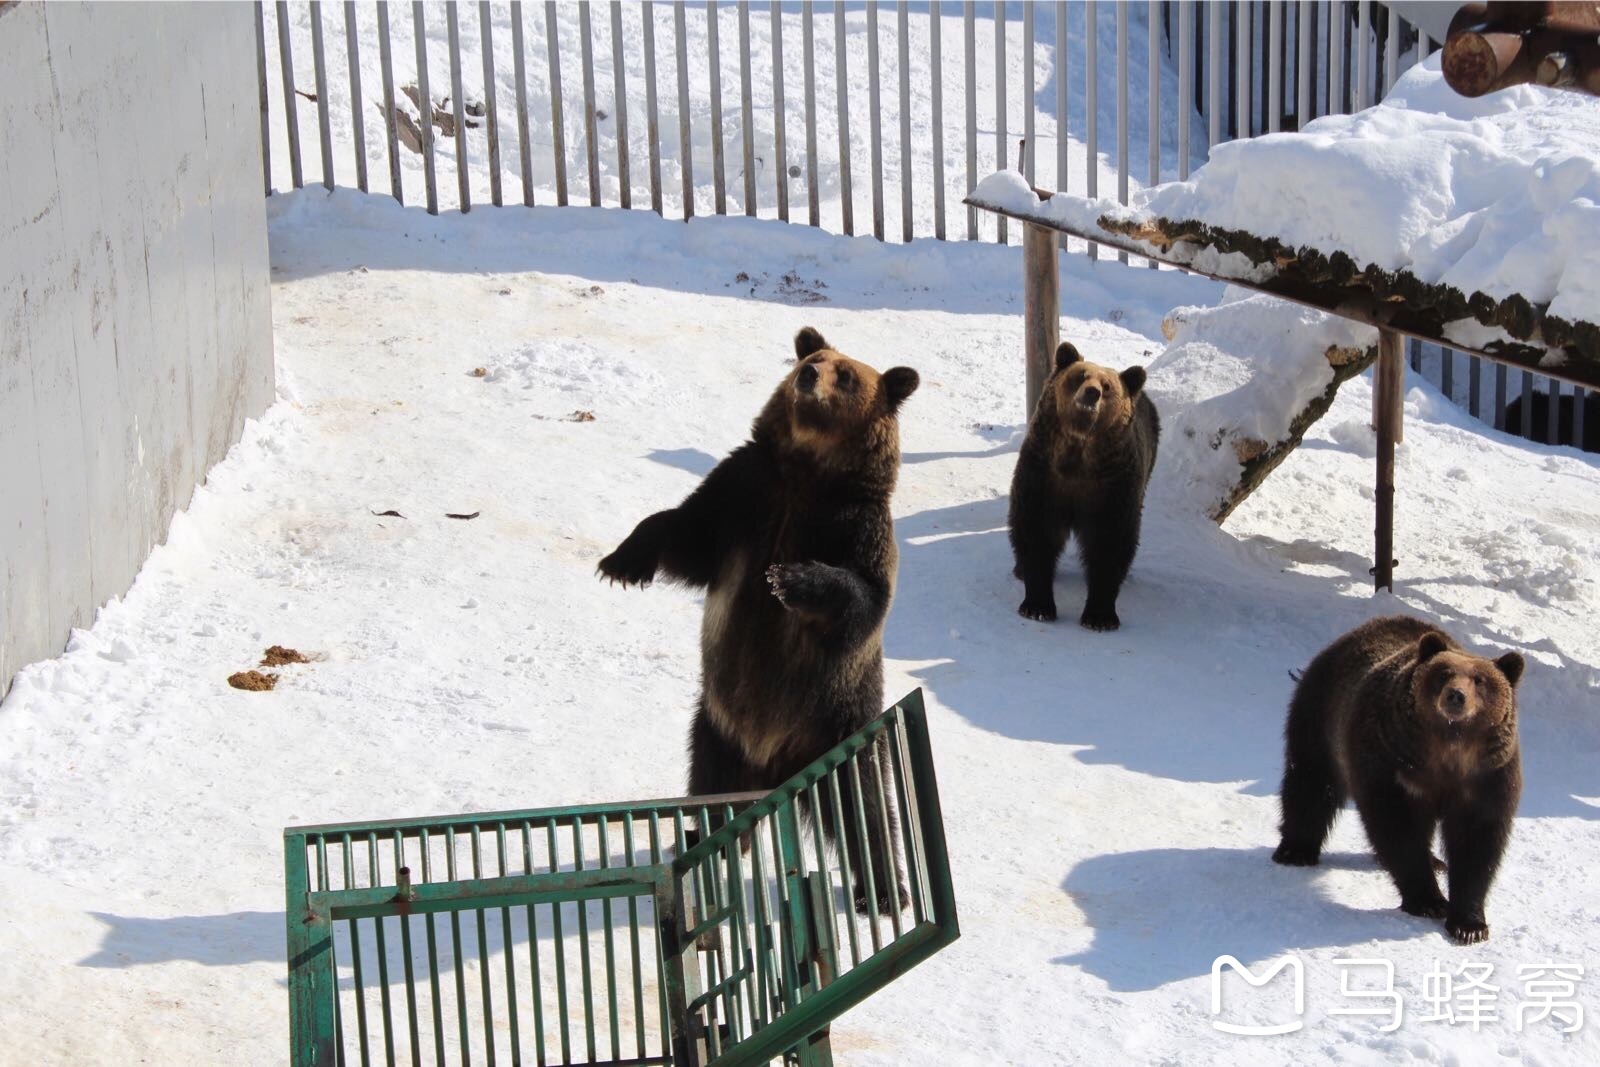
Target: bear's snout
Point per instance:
(806, 380)
(1089, 396)
(1455, 703)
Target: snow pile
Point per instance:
(1499, 195)
(1232, 381)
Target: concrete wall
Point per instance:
(135, 334)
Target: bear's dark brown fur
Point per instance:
(792, 539)
(1082, 471)
(1421, 734)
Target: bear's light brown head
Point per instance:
(838, 411)
(1462, 693)
(1091, 399)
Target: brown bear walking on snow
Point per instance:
(792, 539)
(1422, 734)
(1084, 465)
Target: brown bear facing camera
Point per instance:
(1082, 472)
(792, 539)
(1422, 735)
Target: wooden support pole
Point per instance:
(1388, 388)
(1041, 308)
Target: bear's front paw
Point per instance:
(796, 585)
(1100, 620)
(1467, 931)
(632, 563)
(1433, 907)
(1042, 610)
(1292, 855)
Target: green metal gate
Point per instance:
(622, 933)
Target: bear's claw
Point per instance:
(1467, 931)
(1032, 609)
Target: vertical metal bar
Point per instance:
(314, 987)
(664, 926)
(766, 985)
(905, 121)
(874, 120)
(584, 966)
(558, 128)
(290, 113)
(390, 130)
(1060, 59)
(1242, 71)
(563, 1020)
(1041, 310)
(742, 949)
(433, 953)
(610, 940)
(685, 138)
(1475, 386)
(491, 112)
(1215, 105)
(1000, 147)
(519, 67)
(1122, 108)
(261, 76)
(780, 119)
(1580, 398)
(1302, 66)
(1153, 134)
(483, 951)
(355, 955)
(909, 822)
(968, 10)
(619, 107)
(383, 954)
(633, 933)
(1527, 405)
(1185, 83)
(1501, 388)
(1274, 66)
(812, 194)
(590, 137)
(1390, 376)
(1447, 372)
(319, 68)
(814, 797)
(841, 843)
(747, 130)
(1391, 52)
(1091, 97)
(458, 108)
(718, 166)
(842, 109)
(425, 107)
(533, 950)
(510, 947)
(464, 1031)
(868, 874)
(875, 755)
(1552, 414)
(651, 105)
(1363, 23)
(936, 88)
(1336, 32)
(358, 131)
(405, 952)
(1030, 83)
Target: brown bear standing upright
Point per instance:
(1083, 470)
(1421, 734)
(792, 539)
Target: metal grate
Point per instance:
(621, 933)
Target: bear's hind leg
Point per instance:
(887, 889)
(1312, 793)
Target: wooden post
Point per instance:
(1041, 307)
(1388, 391)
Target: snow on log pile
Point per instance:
(1473, 220)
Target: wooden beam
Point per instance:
(1041, 309)
(1388, 388)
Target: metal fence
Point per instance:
(515, 103)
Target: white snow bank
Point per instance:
(1234, 375)
(1499, 195)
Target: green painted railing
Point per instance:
(623, 933)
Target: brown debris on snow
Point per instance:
(277, 656)
(253, 681)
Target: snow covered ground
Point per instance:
(1109, 798)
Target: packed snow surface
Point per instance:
(1499, 194)
(1108, 797)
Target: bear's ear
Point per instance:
(808, 341)
(1066, 355)
(1430, 646)
(1511, 665)
(898, 383)
(1132, 381)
